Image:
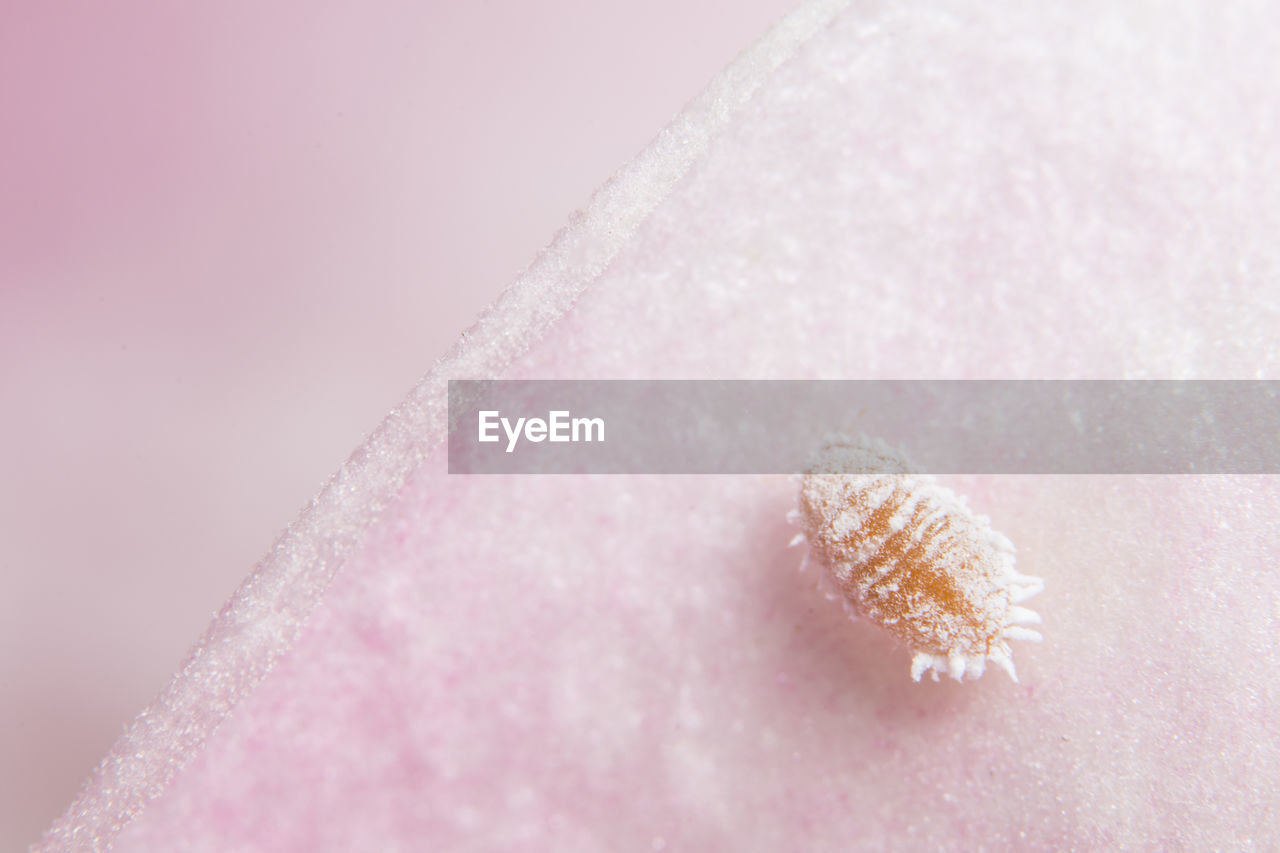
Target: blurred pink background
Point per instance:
(231, 238)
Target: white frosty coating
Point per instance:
(263, 616)
(911, 556)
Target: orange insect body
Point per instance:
(910, 555)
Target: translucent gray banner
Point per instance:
(945, 427)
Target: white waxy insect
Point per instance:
(910, 555)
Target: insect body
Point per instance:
(911, 556)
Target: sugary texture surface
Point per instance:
(941, 189)
(261, 620)
(911, 556)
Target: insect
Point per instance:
(909, 554)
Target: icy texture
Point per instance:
(953, 189)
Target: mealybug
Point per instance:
(911, 556)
